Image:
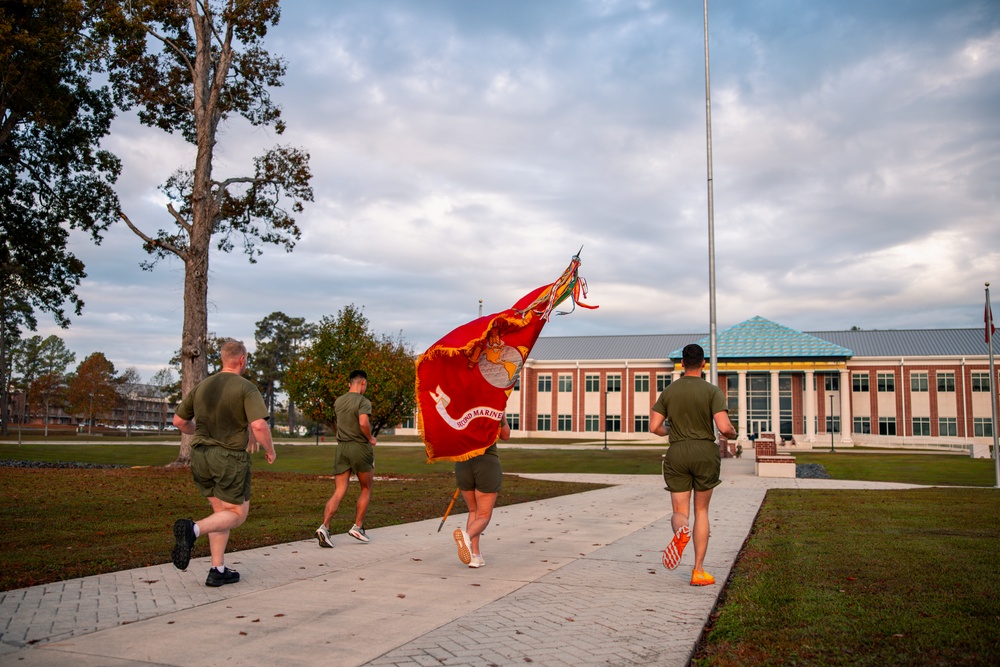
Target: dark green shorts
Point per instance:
(354, 457)
(692, 464)
(481, 473)
(221, 473)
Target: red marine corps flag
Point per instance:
(464, 379)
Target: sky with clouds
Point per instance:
(465, 150)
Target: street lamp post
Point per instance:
(831, 425)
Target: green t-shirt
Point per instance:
(347, 408)
(222, 406)
(690, 404)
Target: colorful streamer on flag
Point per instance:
(465, 379)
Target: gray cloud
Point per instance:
(465, 151)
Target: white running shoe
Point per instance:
(358, 533)
(477, 561)
(323, 537)
(464, 545)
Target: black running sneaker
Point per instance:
(216, 578)
(184, 536)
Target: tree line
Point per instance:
(186, 67)
(305, 364)
(39, 374)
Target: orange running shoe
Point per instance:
(701, 578)
(672, 554)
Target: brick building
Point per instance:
(893, 387)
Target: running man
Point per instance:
(355, 453)
(686, 411)
(225, 413)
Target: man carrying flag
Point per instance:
(465, 379)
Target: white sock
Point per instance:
(197, 531)
(221, 569)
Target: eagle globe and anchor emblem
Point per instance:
(499, 365)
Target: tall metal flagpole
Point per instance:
(713, 367)
(993, 386)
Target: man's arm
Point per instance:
(724, 425)
(261, 432)
(658, 424)
(184, 425)
(366, 429)
(504, 429)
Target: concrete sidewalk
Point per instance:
(575, 580)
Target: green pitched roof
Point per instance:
(759, 337)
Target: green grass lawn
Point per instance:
(864, 578)
(929, 469)
(388, 458)
(66, 523)
(836, 577)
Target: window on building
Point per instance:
(592, 383)
(919, 382)
(565, 383)
(860, 382)
(980, 381)
(592, 423)
(862, 424)
(831, 382)
(948, 427)
(544, 422)
(517, 382)
(887, 426)
(982, 427)
(642, 383)
(733, 396)
(946, 381)
(614, 423)
(409, 422)
(642, 423)
(922, 426)
(514, 420)
(544, 383)
(886, 382)
(662, 381)
(614, 382)
(833, 424)
(565, 423)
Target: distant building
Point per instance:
(893, 387)
(144, 407)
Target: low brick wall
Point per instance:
(775, 466)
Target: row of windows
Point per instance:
(885, 382)
(919, 382)
(947, 426)
(592, 382)
(591, 423)
(921, 426)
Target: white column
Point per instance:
(810, 389)
(775, 407)
(846, 422)
(742, 398)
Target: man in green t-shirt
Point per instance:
(688, 411)
(355, 453)
(227, 417)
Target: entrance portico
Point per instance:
(780, 380)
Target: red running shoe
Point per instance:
(672, 554)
